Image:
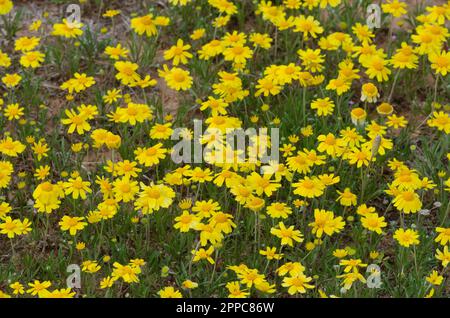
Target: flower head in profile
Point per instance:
(346, 197)
(358, 116)
(369, 93)
(407, 201)
(116, 52)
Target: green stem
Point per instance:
(435, 88)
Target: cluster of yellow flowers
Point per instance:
(339, 180)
